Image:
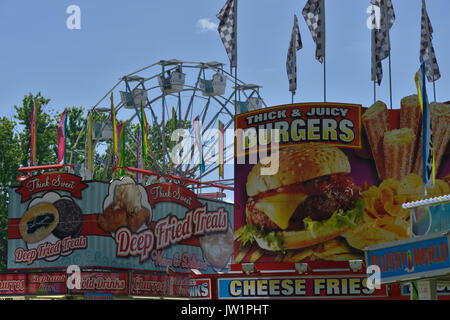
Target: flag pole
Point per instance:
(427, 27)
(389, 48)
(373, 70)
(390, 78)
(227, 16)
(235, 54)
(374, 92)
(322, 13)
(434, 89)
(324, 80)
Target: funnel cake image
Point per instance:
(398, 147)
(375, 121)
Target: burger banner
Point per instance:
(118, 224)
(321, 181)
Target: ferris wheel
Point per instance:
(185, 104)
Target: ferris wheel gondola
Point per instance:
(184, 91)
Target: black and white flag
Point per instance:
(381, 46)
(227, 32)
(315, 20)
(427, 54)
(291, 60)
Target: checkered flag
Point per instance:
(313, 14)
(226, 30)
(291, 60)
(427, 54)
(381, 46)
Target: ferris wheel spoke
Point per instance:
(192, 92)
(205, 110)
(193, 95)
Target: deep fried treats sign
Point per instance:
(120, 224)
(342, 175)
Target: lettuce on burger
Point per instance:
(308, 201)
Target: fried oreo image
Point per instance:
(70, 219)
(38, 222)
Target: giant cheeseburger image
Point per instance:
(308, 201)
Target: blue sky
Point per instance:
(77, 67)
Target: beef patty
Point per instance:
(325, 195)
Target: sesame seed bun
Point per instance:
(298, 164)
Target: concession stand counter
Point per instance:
(95, 284)
(294, 281)
(87, 239)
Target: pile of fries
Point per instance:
(385, 220)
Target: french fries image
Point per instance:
(410, 114)
(398, 147)
(375, 121)
(385, 219)
(440, 122)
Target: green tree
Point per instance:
(46, 135)
(76, 120)
(9, 163)
(156, 145)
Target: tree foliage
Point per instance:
(46, 131)
(15, 146)
(9, 163)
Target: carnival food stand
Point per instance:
(124, 239)
(309, 198)
(421, 262)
